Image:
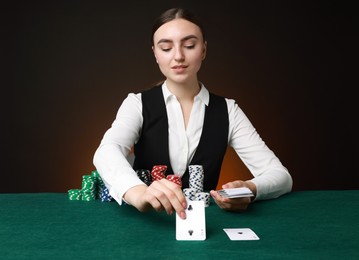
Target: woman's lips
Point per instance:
(179, 68)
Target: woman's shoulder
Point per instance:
(134, 96)
(230, 101)
(232, 105)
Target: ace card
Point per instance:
(241, 234)
(194, 226)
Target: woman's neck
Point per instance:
(184, 91)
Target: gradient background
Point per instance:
(69, 64)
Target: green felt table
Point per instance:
(299, 225)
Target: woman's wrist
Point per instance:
(132, 194)
(250, 185)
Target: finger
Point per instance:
(157, 198)
(178, 202)
(233, 184)
(170, 196)
(150, 198)
(177, 190)
(215, 195)
(218, 198)
(237, 204)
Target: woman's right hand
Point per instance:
(160, 195)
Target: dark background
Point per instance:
(69, 64)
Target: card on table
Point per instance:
(241, 234)
(194, 226)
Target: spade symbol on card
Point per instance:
(190, 232)
(190, 207)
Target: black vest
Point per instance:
(152, 147)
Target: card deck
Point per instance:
(236, 192)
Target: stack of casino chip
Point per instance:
(88, 188)
(100, 186)
(105, 195)
(102, 191)
(196, 176)
(158, 172)
(75, 194)
(195, 191)
(145, 176)
(203, 196)
(174, 178)
(92, 187)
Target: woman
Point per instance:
(180, 123)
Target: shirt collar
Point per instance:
(203, 94)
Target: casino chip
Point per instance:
(195, 191)
(203, 196)
(190, 193)
(196, 177)
(75, 194)
(88, 188)
(145, 176)
(158, 172)
(92, 188)
(174, 178)
(105, 195)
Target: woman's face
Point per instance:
(179, 50)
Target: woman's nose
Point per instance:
(179, 56)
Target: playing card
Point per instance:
(241, 234)
(194, 226)
(236, 192)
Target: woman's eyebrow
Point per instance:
(182, 40)
(189, 37)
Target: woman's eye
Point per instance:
(166, 49)
(189, 46)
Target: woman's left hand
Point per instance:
(235, 204)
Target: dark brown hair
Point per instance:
(175, 13)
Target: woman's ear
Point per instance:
(153, 50)
(204, 53)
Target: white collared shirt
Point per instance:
(112, 158)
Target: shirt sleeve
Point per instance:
(271, 178)
(112, 157)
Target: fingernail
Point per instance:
(183, 215)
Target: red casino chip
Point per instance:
(174, 178)
(158, 172)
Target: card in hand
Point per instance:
(236, 192)
(194, 226)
